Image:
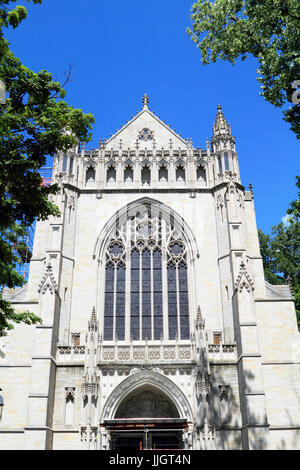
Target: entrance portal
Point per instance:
(146, 434)
(146, 419)
(148, 440)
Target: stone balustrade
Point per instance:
(73, 354)
(222, 352)
(147, 353)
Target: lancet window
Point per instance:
(163, 174)
(128, 174)
(201, 175)
(180, 174)
(71, 165)
(146, 258)
(64, 163)
(111, 175)
(90, 175)
(220, 165)
(146, 176)
(226, 162)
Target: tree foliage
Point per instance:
(281, 251)
(35, 122)
(266, 29)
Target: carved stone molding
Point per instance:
(48, 281)
(244, 280)
(70, 392)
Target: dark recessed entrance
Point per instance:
(146, 434)
(146, 419)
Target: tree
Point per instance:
(281, 251)
(266, 29)
(35, 123)
(11, 18)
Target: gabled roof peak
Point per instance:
(145, 121)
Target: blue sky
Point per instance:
(122, 49)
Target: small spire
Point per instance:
(221, 126)
(93, 321)
(200, 322)
(145, 101)
(93, 318)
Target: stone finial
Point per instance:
(93, 321)
(200, 322)
(145, 101)
(221, 126)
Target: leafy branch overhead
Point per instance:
(268, 30)
(35, 122)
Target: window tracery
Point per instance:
(149, 255)
(145, 134)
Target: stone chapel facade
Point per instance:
(159, 330)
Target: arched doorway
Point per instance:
(146, 419)
(146, 411)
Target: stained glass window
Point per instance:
(172, 302)
(183, 301)
(151, 264)
(120, 302)
(146, 294)
(157, 295)
(109, 302)
(135, 295)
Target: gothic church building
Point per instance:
(159, 330)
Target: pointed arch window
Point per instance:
(128, 174)
(163, 174)
(201, 175)
(71, 165)
(180, 174)
(226, 162)
(64, 163)
(146, 176)
(149, 256)
(90, 176)
(111, 175)
(220, 165)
